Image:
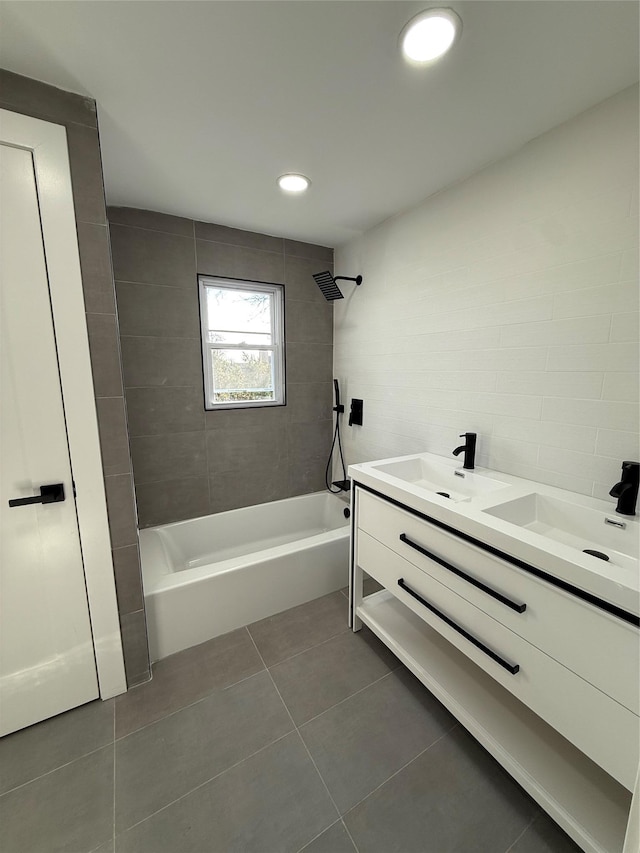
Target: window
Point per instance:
(242, 343)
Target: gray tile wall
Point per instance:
(188, 462)
(78, 115)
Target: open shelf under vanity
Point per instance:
(584, 800)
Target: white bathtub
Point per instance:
(207, 576)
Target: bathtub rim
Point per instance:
(159, 578)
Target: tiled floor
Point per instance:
(294, 734)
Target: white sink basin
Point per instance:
(579, 527)
(441, 477)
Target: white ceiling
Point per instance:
(203, 104)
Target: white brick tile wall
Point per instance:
(507, 305)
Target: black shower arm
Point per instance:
(357, 279)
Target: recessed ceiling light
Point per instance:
(293, 183)
(430, 35)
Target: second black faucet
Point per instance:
(469, 448)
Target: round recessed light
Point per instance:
(430, 35)
(293, 183)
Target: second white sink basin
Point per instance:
(581, 527)
(441, 477)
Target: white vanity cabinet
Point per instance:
(545, 675)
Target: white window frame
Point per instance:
(277, 347)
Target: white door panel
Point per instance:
(47, 660)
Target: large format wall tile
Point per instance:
(160, 361)
(255, 447)
(151, 220)
(251, 456)
(162, 312)
(168, 457)
(86, 174)
(294, 248)
(172, 500)
(162, 409)
(298, 278)
(309, 322)
(32, 97)
(239, 262)
(95, 263)
(112, 423)
(152, 257)
(237, 237)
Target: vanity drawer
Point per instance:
(596, 645)
(599, 726)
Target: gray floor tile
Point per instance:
(37, 750)
(333, 840)
(370, 586)
(273, 801)
(162, 762)
(358, 744)
(454, 797)
(68, 811)
(108, 847)
(285, 634)
(185, 677)
(544, 836)
(317, 679)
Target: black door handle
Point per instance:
(48, 495)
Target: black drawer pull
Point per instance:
(510, 667)
(514, 605)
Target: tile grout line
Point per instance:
(53, 770)
(226, 687)
(206, 782)
(297, 654)
(144, 228)
(190, 705)
(302, 849)
(297, 730)
(526, 829)
(445, 734)
(351, 695)
(346, 829)
(341, 821)
(404, 767)
(294, 729)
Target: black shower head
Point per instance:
(327, 284)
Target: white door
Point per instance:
(47, 662)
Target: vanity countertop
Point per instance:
(544, 526)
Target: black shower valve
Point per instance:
(355, 415)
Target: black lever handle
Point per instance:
(48, 495)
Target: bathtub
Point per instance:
(210, 575)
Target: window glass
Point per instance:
(242, 343)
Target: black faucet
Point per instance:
(627, 489)
(469, 448)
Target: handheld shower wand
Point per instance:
(343, 485)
